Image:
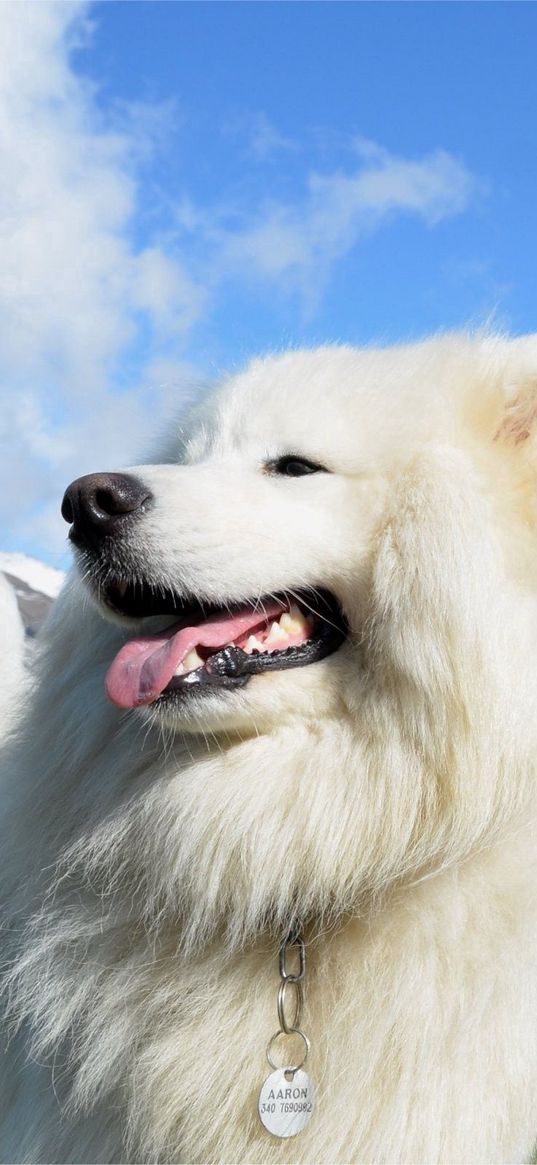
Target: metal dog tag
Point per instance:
(286, 1102)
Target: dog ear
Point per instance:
(519, 421)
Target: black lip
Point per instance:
(198, 683)
(233, 661)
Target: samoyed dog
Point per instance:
(290, 686)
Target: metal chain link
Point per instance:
(292, 964)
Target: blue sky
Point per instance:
(411, 77)
(187, 184)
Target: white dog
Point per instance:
(294, 685)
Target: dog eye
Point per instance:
(293, 466)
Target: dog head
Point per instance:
(251, 553)
(242, 568)
(340, 554)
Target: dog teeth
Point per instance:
(252, 644)
(294, 622)
(191, 662)
(277, 634)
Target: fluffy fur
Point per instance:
(386, 796)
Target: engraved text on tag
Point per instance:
(286, 1105)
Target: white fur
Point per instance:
(387, 795)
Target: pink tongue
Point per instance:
(145, 666)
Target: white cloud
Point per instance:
(288, 241)
(161, 287)
(266, 140)
(263, 139)
(75, 291)
(70, 279)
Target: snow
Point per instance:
(38, 575)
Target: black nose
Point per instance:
(98, 505)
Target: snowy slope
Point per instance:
(35, 584)
(38, 575)
(11, 655)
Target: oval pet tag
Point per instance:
(286, 1105)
